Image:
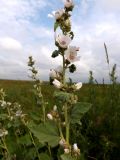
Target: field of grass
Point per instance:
(100, 138)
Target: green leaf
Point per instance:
(30, 154)
(56, 25)
(25, 140)
(46, 133)
(72, 68)
(44, 156)
(55, 53)
(67, 157)
(78, 111)
(11, 143)
(62, 96)
(3, 116)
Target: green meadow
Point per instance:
(99, 136)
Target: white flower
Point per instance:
(57, 83)
(50, 117)
(75, 147)
(68, 3)
(35, 86)
(56, 73)
(71, 54)
(66, 150)
(62, 142)
(53, 74)
(54, 108)
(18, 113)
(11, 118)
(63, 40)
(9, 103)
(3, 104)
(78, 85)
(57, 14)
(5, 132)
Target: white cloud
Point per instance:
(8, 43)
(20, 36)
(109, 5)
(84, 6)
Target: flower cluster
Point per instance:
(11, 110)
(62, 41)
(3, 132)
(69, 54)
(74, 150)
(53, 115)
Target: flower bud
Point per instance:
(67, 151)
(78, 85)
(18, 113)
(5, 132)
(75, 147)
(59, 14)
(62, 142)
(50, 117)
(68, 3)
(3, 104)
(57, 83)
(8, 103)
(55, 108)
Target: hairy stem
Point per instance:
(5, 146)
(31, 136)
(60, 130)
(66, 123)
(63, 70)
(33, 142)
(66, 108)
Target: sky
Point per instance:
(26, 30)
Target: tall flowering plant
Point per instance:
(68, 110)
(48, 134)
(55, 132)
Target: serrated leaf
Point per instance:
(25, 140)
(78, 111)
(67, 157)
(62, 96)
(45, 133)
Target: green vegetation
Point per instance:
(100, 131)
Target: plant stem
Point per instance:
(60, 130)
(66, 108)
(63, 70)
(5, 146)
(8, 111)
(43, 105)
(66, 123)
(49, 149)
(33, 142)
(43, 109)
